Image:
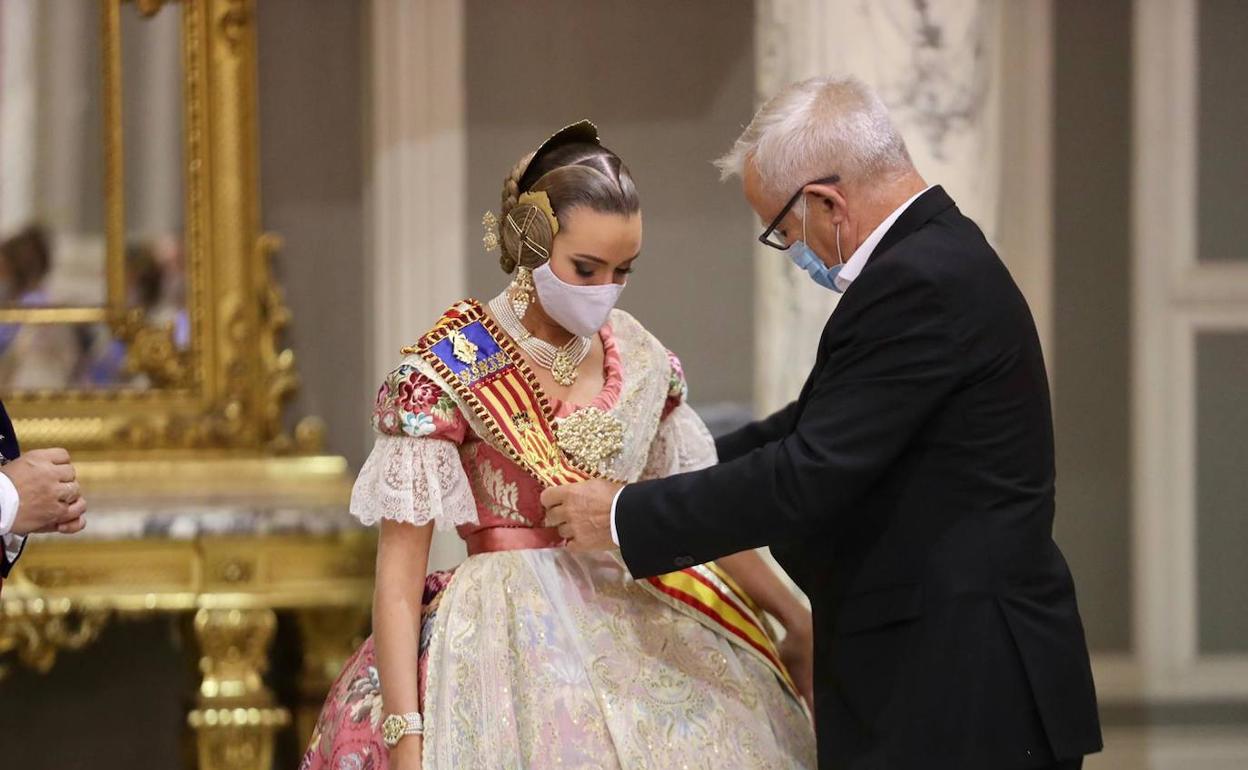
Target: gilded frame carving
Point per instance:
(223, 396)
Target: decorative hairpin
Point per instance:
(490, 223)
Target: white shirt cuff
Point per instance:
(9, 500)
(615, 536)
(13, 546)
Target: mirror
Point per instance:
(152, 104)
(52, 237)
(52, 153)
(71, 128)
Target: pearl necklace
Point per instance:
(562, 362)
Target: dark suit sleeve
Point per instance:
(885, 375)
(732, 445)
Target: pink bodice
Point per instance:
(507, 496)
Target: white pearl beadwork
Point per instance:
(562, 362)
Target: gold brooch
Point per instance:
(590, 436)
(463, 348)
(564, 368)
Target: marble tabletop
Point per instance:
(180, 520)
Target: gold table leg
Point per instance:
(235, 718)
(330, 637)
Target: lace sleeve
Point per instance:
(414, 480)
(681, 444)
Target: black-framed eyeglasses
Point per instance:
(770, 237)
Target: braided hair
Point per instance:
(572, 174)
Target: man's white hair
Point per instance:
(814, 129)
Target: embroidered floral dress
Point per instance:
(532, 656)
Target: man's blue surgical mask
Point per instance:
(806, 259)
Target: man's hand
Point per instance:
(47, 488)
(582, 512)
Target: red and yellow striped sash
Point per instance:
(492, 378)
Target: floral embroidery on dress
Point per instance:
(444, 408)
(417, 392)
(677, 385)
(386, 417)
(363, 698)
(347, 735)
(418, 424)
(410, 404)
(491, 488)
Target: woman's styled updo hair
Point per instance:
(576, 173)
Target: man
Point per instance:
(38, 493)
(909, 489)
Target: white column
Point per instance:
(937, 66)
(18, 89)
(416, 194)
(1024, 226)
(60, 114)
(152, 107)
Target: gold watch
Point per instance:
(398, 725)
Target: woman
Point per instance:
(530, 656)
(33, 356)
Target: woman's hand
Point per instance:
(406, 754)
(402, 556)
(797, 652)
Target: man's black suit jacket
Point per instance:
(9, 450)
(909, 492)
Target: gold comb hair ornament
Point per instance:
(541, 201)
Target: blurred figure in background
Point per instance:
(169, 306)
(105, 355)
(32, 356)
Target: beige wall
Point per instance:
(1091, 313)
(1222, 355)
(311, 188)
(669, 85)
